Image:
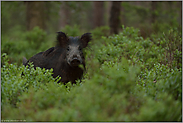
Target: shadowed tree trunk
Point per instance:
(98, 14)
(64, 14)
(114, 20)
(153, 9)
(123, 19)
(35, 15)
(179, 5)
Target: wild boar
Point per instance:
(65, 58)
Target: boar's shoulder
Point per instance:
(47, 52)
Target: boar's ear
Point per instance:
(85, 38)
(61, 39)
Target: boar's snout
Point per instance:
(75, 61)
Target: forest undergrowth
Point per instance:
(128, 78)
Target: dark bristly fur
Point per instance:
(64, 58)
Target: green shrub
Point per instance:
(25, 44)
(166, 109)
(13, 83)
(100, 31)
(72, 30)
(126, 80)
(36, 37)
(171, 44)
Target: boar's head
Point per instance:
(73, 47)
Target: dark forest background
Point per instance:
(149, 17)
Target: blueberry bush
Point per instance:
(127, 78)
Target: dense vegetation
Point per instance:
(135, 75)
(128, 78)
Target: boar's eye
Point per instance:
(68, 48)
